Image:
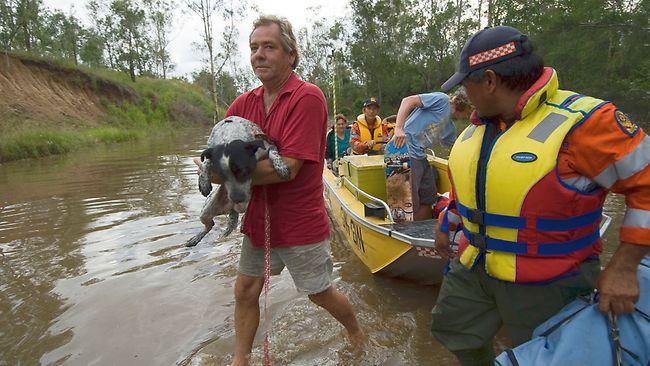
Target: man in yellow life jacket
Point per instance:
(368, 133)
(529, 179)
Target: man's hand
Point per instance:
(369, 144)
(399, 138)
(618, 284)
(443, 245)
(198, 163)
(214, 178)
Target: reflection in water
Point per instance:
(94, 271)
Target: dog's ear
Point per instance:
(206, 154)
(253, 146)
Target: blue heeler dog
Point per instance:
(234, 148)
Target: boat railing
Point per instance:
(358, 191)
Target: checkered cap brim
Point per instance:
(492, 54)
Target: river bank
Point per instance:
(48, 107)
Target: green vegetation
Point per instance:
(33, 144)
(391, 49)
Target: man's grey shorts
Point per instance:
(423, 183)
(310, 265)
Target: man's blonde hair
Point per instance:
(287, 38)
(460, 100)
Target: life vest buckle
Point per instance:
(476, 216)
(478, 241)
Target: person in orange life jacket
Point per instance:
(417, 115)
(529, 179)
(368, 131)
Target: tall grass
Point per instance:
(35, 144)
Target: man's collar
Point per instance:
(362, 119)
(289, 86)
(540, 92)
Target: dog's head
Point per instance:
(235, 162)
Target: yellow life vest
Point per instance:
(514, 188)
(364, 131)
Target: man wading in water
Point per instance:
(293, 114)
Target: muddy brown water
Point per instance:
(94, 272)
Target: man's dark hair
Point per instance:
(518, 73)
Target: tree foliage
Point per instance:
(395, 48)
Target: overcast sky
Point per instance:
(187, 26)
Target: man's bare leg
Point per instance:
(247, 316)
(338, 305)
(422, 213)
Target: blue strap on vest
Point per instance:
(484, 243)
(480, 217)
(444, 223)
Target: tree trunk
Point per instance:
(131, 61)
(490, 10)
(206, 16)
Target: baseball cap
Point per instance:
(370, 101)
(486, 47)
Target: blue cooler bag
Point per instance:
(581, 335)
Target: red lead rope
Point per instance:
(267, 278)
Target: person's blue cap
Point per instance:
(370, 101)
(486, 47)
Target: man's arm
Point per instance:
(618, 284)
(355, 140)
(264, 172)
(408, 104)
(613, 155)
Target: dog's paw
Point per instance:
(194, 240)
(278, 164)
(283, 171)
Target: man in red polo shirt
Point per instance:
(293, 114)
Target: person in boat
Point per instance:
(293, 114)
(530, 175)
(368, 132)
(340, 132)
(390, 125)
(422, 120)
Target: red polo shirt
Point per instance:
(296, 123)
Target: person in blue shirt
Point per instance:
(422, 121)
(342, 136)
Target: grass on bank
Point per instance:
(35, 144)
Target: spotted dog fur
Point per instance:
(234, 148)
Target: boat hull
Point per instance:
(376, 245)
